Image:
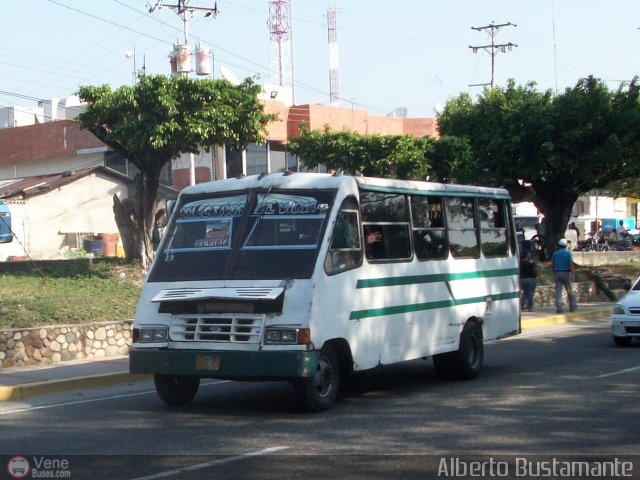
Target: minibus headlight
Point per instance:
(288, 336)
(150, 334)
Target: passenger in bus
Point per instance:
(374, 244)
(343, 234)
(436, 219)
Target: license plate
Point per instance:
(208, 362)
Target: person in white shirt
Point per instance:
(622, 231)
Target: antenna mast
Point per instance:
(281, 42)
(334, 98)
(493, 49)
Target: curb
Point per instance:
(18, 392)
(561, 318)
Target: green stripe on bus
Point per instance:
(418, 307)
(436, 277)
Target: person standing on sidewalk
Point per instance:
(563, 271)
(528, 274)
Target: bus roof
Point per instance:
(328, 181)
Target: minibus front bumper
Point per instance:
(238, 365)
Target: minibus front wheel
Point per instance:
(176, 390)
(319, 392)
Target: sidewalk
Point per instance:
(21, 382)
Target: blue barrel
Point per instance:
(92, 244)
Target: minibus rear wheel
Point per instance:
(319, 392)
(470, 356)
(466, 362)
(176, 390)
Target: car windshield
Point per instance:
(249, 235)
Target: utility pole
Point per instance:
(185, 12)
(493, 49)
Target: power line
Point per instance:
(493, 49)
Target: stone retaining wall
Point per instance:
(545, 295)
(45, 345)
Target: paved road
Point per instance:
(555, 390)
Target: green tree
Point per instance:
(157, 120)
(390, 156)
(544, 148)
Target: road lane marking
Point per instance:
(92, 400)
(200, 466)
(619, 372)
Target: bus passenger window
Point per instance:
(387, 242)
(461, 222)
(429, 234)
(493, 232)
(430, 244)
(345, 251)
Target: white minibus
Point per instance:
(310, 277)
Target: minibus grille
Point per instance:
(217, 327)
(634, 310)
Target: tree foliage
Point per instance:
(546, 148)
(390, 156)
(157, 120)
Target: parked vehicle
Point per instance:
(625, 317)
(6, 234)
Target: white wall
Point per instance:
(20, 116)
(83, 206)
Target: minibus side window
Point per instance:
(385, 225)
(345, 249)
(493, 227)
(429, 234)
(463, 237)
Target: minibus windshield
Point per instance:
(244, 235)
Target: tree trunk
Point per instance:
(135, 217)
(556, 207)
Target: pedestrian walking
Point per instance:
(528, 281)
(563, 271)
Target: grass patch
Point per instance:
(68, 293)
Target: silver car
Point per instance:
(625, 317)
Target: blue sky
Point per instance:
(405, 53)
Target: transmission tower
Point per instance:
(493, 49)
(281, 42)
(334, 98)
